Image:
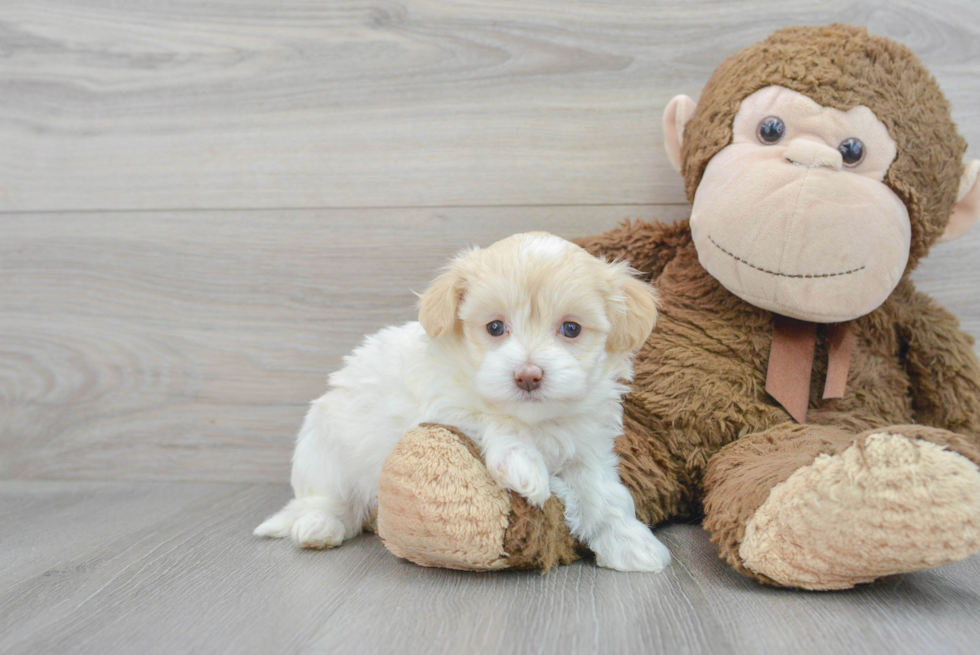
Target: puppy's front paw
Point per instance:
(318, 529)
(519, 472)
(631, 547)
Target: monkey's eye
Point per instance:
(771, 130)
(852, 151)
(496, 328)
(570, 330)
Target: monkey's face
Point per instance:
(793, 215)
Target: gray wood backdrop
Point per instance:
(203, 206)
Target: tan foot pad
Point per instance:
(886, 506)
(438, 506)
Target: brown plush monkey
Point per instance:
(822, 164)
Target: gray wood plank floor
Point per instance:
(204, 206)
(171, 567)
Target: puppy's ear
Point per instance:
(633, 311)
(439, 305)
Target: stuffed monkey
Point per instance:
(798, 393)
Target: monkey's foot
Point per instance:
(438, 506)
(897, 500)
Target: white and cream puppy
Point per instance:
(525, 346)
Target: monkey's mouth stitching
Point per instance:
(764, 270)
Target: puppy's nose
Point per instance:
(528, 377)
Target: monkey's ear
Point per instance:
(678, 113)
(439, 305)
(967, 209)
(633, 312)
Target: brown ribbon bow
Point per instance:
(791, 362)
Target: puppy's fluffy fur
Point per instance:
(543, 405)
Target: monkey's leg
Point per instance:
(438, 506)
(817, 508)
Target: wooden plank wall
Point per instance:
(203, 206)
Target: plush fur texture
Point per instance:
(493, 354)
(786, 225)
(886, 504)
(449, 529)
(454, 529)
(842, 66)
(701, 435)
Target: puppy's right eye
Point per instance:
(496, 328)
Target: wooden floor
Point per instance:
(204, 206)
(112, 567)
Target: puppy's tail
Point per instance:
(280, 524)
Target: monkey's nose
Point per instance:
(528, 377)
(811, 153)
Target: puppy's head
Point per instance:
(536, 319)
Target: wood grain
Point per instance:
(185, 575)
(178, 104)
(187, 345)
(161, 346)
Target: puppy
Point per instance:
(524, 346)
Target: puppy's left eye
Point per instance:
(496, 328)
(570, 330)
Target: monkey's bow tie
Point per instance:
(791, 362)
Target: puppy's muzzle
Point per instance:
(528, 377)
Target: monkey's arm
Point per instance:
(648, 247)
(943, 367)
